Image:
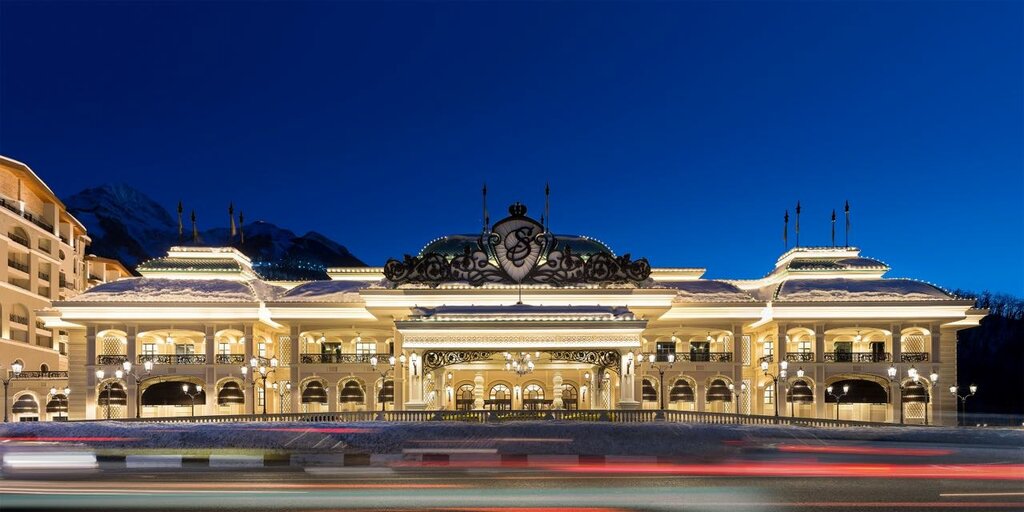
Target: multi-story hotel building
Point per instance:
(45, 253)
(514, 317)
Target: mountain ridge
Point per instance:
(127, 225)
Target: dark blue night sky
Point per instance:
(676, 131)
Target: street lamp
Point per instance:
(661, 369)
(282, 389)
(838, 397)
(736, 394)
(15, 371)
(259, 371)
(137, 378)
(915, 376)
(389, 370)
(53, 396)
(107, 386)
(783, 365)
(962, 399)
(192, 396)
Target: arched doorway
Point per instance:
(801, 399)
(500, 398)
(648, 394)
(857, 399)
(25, 408)
(169, 398)
(570, 397)
(533, 397)
(386, 395)
(681, 396)
(719, 398)
(231, 398)
(464, 397)
(112, 401)
(352, 397)
(915, 402)
(314, 397)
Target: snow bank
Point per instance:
(143, 289)
(829, 290)
(534, 437)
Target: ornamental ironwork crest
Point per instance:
(517, 250)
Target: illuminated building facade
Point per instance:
(516, 317)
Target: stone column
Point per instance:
(556, 388)
(248, 348)
(89, 393)
(478, 391)
(210, 370)
(131, 351)
(414, 373)
(294, 371)
(819, 372)
(897, 344)
(780, 349)
(627, 382)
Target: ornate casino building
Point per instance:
(515, 317)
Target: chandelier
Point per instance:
(520, 363)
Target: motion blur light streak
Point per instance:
(929, 471)
(863, 450)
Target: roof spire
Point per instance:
(181, 227)
(847, 209)
(798, 223)
(487, 219)
(241, 227)
(785, 230)
(547, 207)
(231, 215)
(195, 231)
(833, 228)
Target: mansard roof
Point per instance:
(158, 290)
(706, 290)
(865, 290)
(325, 291)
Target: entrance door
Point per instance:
(844, 351)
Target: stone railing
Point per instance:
(857, 357)
(335, 358)
(612, 415)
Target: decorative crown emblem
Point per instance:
(517, 250)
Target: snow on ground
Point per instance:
(536, 437)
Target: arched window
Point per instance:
(351, 392)
(464, 397)
(44, 367)
(769, 394)
(570, 396)
(500, 397)
(534, 391)
(648, 392)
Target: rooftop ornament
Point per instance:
(517, 250)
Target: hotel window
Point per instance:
(803, 346)
(366, 347)
(769, 348)
(261, 397)
(184, 349)
(224, 348)
(700, 351)
(769, 394)
(149, 349)
(662, 350)
(261, 350)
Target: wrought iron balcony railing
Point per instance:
(18, 319)
(174, 358)
(40, 375)
(800, 357)
(18, 265)
(111, 359)
(229, 359)
(336, 358)
(914, 357)
(766, 359)
(20, 239)
(705, 357)
(857, 357)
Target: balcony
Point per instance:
(18, 319)
(13, 206)
(44, 276)
(914, 357)
(766, 359)
(40, 375)
(335, 358)
(705, 357)
(857, 357)
(174, 358)
(18, 265)
(20, 239)
(238, 359)
(800, 357)
(111, 359)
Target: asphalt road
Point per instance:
(598, 489)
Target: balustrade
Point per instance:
(326, 358)
(174, 358)
(857, 357)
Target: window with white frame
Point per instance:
(224, 348)
(366, 347)
(803, 346)
(261, 350)
(184, 349)
(769, 348)
(149, 349)
(769, 394)
(261, 397)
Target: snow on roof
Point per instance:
(707, 291)
(325, 291)
(831, 290)
(147, 289)
(522, 312)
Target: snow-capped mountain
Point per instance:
(127, 225)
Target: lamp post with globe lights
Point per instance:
(259, 370)
(192, 395)
(15, 371)
(107, 386)
(838, 396)
(776, 378)
(736, 394)
(661, 369)
(54, 392)
(138, 379)
(387, 371)
(282, 389)
(962, 399)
